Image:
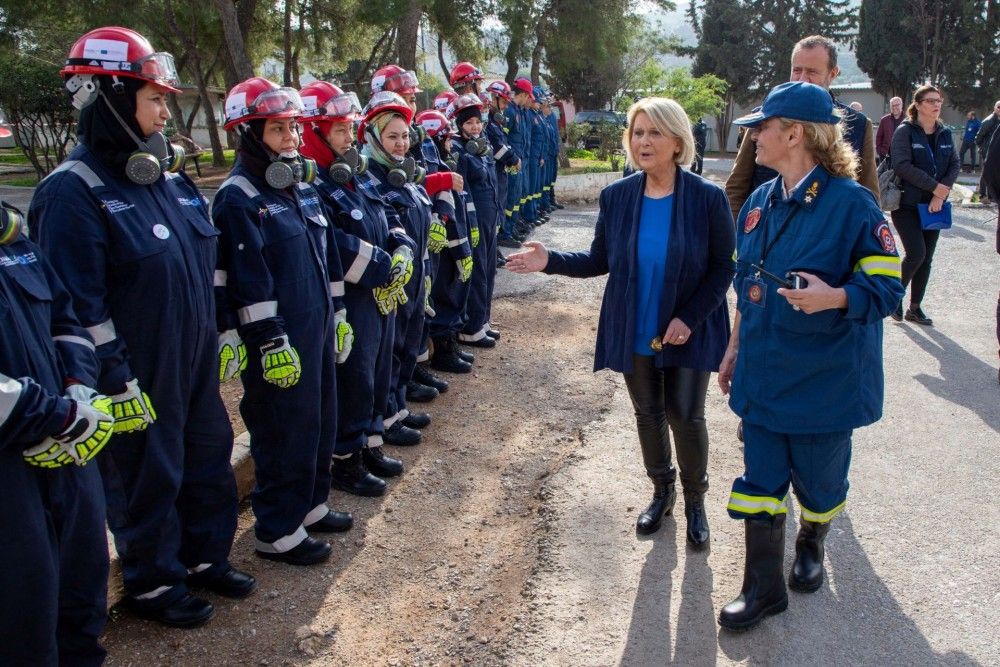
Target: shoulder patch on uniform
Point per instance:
(750, 222)
(884, 236)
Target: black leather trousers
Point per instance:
(674, 397)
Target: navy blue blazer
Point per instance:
(699, 270)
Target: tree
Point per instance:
(887, 49)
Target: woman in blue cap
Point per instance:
(817, 271)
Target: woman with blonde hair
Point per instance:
(817, 272)
(665, 237)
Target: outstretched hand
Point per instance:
(535, 258)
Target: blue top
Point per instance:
(651, 258)
(971, 130)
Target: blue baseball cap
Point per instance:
(795, 100)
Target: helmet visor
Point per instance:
(464, 101)
(280, 101)
(405, 81)
(159, 68)
(342, 106)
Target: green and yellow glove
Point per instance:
(343, 335)
(232, 356)
(281, 362)
(132, 409)
(474, 236)
(392, 293)
(90, 429)
(438, 237)
(464, 268)
(428, 309)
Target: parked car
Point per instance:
(594, 118)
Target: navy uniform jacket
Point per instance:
(818, 373)
(504, 154)
(515, 128)
(129, 275)
(920, 165)
(539, 135)
(42, 348)
(698, 272)
(554, 134)
(481, 183)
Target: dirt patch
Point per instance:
(436, 571)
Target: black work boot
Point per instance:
(664, 496)
(763, 592)
(446, 356)
(417, 420)
(399, 435)
(420, 393)
(466, 356)
(807, 571)
(423, 376)
(381, 465)
(351, 476)
(697, 522)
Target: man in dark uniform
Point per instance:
(700, 131)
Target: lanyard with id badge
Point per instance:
(755, 290)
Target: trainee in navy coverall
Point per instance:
(803, 382)
(54, 561)
(366, 246)
(139, 262)
(516, 130)
(481, 182)
(411, 210)
(504, 157)
(274, 254)
(536, 154)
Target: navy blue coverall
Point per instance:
(504, 157)
(481, 182)
(516, 131)
(54, 562)
(274, 253)
(139, 262)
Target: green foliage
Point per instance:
(581, 154)
(887, 49)
(576, 133)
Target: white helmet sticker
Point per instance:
(235, 104)
(105, 49)
(378, 82)
(309, 104)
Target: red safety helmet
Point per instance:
(500, 89)
(444, 100)
(464, 102)
(323, 101)
(114, 51)
(523, 85)
(464, 74)
(259, 98)
(434, 123)
(380, 103)
(395, 79)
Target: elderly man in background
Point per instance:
(887, 126)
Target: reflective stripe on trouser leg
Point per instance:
(820, 464)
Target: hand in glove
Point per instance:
(132, 409)
(343, 335)
(464, 268)
(391, 294)
(81, 393)
(428, 309)
(474, 236)
(232, 356)
(90, 427)
(281, 362)
(438, 238)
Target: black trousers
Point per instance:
(674, 397)
(918, 245)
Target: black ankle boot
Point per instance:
(417, 420)
(420, 393)
(466, 356)
(446, 356)
(697, 523)
(399, 435)
(423, 376)
(807, 571)
(381, 465)
(351, 476)
(664, 496)
(763, 592)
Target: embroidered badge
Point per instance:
(750, 223)
(811, 192)
(755, 293)
(884, 236)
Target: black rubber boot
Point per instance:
(697, 523)
(763, 592)
(423, 376)
(807, 571)
(664, 496)
(420, 393)
(351, 476)
(446, 357)
(381, 465)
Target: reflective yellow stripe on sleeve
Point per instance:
(880, 265)
(741, 502)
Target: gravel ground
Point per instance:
(510, 540)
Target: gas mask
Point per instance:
(451, 162)
(498, 118)
(417, 135)
(477, 145)
(347, 165)
(12, 224)
(404, 173)
(289, 168)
